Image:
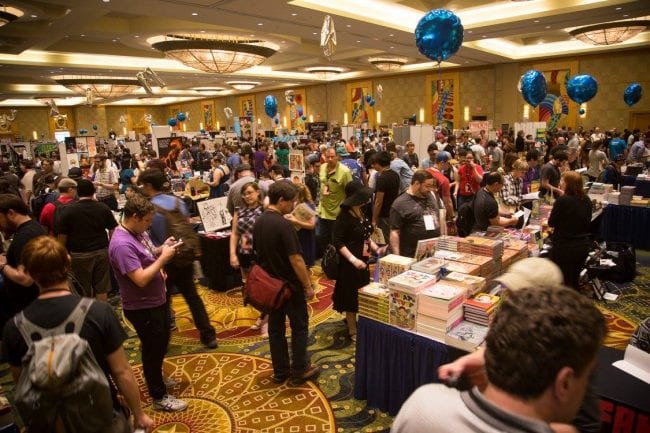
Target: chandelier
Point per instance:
(325, 72)
(9, 14)
(103, 87)
(243, 85)
(387, 63)
(609, 33)
(222, 54)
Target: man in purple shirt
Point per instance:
(138, 266)
(258, 159)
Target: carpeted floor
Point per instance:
(229, 388)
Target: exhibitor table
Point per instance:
(626, 224)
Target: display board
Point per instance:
(422, 136)
(214, 214)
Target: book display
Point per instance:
(480, 308)
(373, 302)
(429, 266)
(440, 308)
(411, 281)
(392, 265)
(471, 283)
(466, 336)
(402, 309)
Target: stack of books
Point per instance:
(481, 246)
(639, 201)
(447, 243)
(373, 302)
(466, 336)
(403, 297)
(481, 308)
(626, 195)
(471, 283)
(429, 266)
(613, 197)
(463, 268)
(392, 265)
(440, 308)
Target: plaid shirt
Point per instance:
(511, 190)
(245, 221)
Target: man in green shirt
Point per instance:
(333, 178)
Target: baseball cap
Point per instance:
(531, 272)
(66, 182)
(74, 173)
(443, 156)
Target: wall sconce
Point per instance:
(184, 127)
(345, 118)
(35, 135)
(583, 110)
(200, 125)
(311, 118)
(378, 117)
(466, 113)
(284, 121)
(218, 126)
(421, 115)
(259, 120)
(526, 114)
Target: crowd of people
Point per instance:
(365, 197)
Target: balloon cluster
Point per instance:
(83, 131)
(532, 86)
(370, 100)
(439, 34)
(270, 106)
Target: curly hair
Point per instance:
(538, 331)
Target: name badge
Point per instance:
(430, 222)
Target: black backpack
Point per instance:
(330, 262)
(624, 256)
(39, 202)
(465, 219)
(58, 211)
(181, 229)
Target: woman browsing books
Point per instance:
(352, 240)
(241, 238)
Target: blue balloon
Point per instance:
(172, 121)
(533, 87)
(581, 88)
(439, 34)
(276, 120)
(270, 106)
(368, 98)
(202, 131)
(371, 102)
(633, 94)
(303, 118)
(181, 117)
(94, 127)
(581, 111)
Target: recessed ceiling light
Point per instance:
(260, 24)
(547, 27)
(619, 8)
(536, 21)
(114, 40)
(315, 33)
(294, 14)
(251, 35)
(625, 16)
(202, 31)
(106, 1)
(358, 42)
(83, 36)
(284, 42)
(34, 16)
(469, 31)
(392, 48)
(540, 43)
(136, 36)
(348, 25)
(484, 36)
(391, 35)
(194, 14)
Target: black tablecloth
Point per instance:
(215, 263)
(626, 224)
(391, 363)
(642, 187)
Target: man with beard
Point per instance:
(19, 289)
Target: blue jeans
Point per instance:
(296, 310)
(463, 199)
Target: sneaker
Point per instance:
(169, 403)
(212, 344)
(169, 382)
(279, 378)
(311, 373)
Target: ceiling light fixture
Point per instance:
(210, 90)
(610, 33)
(325, 72)
(218, 53)
(9, 14)
(101, 86)
(387, 63)
(243, 85)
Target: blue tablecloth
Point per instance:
(392, 363)
(642, 187)
(628, 180)
(626, 224)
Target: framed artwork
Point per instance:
(296, 161)
(443, 100)
(214, 214)
(297, 113)
(557, 109)
(91, 146)
(359, 111)
(207, 108)
(247, 106)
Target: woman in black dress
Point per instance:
(351, 239)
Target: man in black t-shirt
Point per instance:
(550, 175)
(414, 215)
(81, 227)
(386, 191)
(486, 208)
(19, 289)
(278, 251)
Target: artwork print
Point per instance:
(297, 111)
(556, 103)
(442, 102)
(214, 214)
(208, 115)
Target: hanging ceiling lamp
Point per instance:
(218, 53)
(101, 86)
(325, 72)
(9, 14)
(610, 33)
(387, 63)
(243, 85)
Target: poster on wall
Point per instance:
(81, 144)
(73, 160)
(207, 108)
(247, 106)
(70, 145)
(556, 103)
(442, 107)
(297, 113)
(246, 127)
(359, 109)
(296, 161)
(215, 216)
(92, 147)
(169, 148)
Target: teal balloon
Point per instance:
(371, 102)
(532, 86)
(270, 106)
(581, 88)
(368, 98)
(94, 127)
(633, 94)
(181, 117)
(172, 122)
(581, 111)
(439, 34)
(276, 121)
(202, 131)
(303, 118)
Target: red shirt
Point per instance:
(467, 185)
(47, 214)
(444, 189)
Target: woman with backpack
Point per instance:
(241, 238)
(219, 176)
